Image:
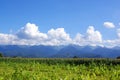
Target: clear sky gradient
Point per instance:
(73, 15)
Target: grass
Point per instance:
(59, 69)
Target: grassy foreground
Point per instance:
(59, 69)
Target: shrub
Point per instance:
(1, 55)
(118, 57)
(75, 57)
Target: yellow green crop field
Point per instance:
(59, 69)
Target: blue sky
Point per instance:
(75, 16)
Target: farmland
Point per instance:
(59, 69)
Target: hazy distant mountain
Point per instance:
(79, 51)
(28, 51)
(60, 51)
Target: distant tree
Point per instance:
(118, 57)
(75, 57)
(1, 55)
(14, 56)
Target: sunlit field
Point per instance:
(59, 69)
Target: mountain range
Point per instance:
(68, 51)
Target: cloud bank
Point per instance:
(30, 35)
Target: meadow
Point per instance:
(59, 69)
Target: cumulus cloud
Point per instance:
(92, 37)
(111, 43)
(79, 40)
(7, 39)
(31, 35)
(109, 25)
(118, 33)
(31, 31)
(114, 42)
(57, 37)
(59, 34)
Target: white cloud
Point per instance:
(92, 37)
(79, 40)
(111, 43)
(114, 42)
(30, 35)
(31, 31)
(118, 33)
(59, 34)
(109, 25)
(58, 37)
(6, 39)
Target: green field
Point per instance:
(59, 69)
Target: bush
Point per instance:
(1, 55)
(75, 57)
(118, 57)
